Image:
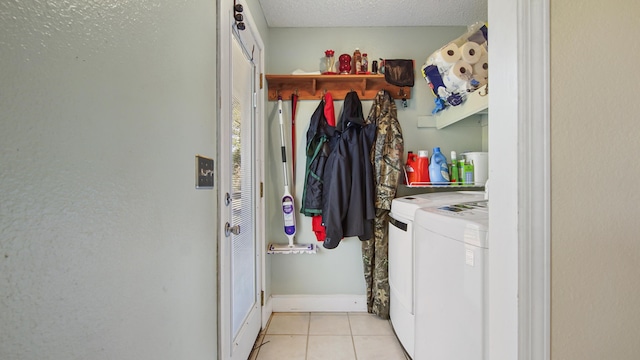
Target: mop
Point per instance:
(288, 206)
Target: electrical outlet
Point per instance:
(204, 172)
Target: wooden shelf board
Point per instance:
(313, 87)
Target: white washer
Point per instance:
(452, 282)
(402, 258)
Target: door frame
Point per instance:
(520, 274)
(520, 172)
(224, 43)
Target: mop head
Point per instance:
(291, 249)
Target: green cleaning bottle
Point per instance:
(460, 168)
(468, 173)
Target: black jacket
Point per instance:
(348, 196)
(318, 136)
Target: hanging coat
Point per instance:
(316, 222)
(349, 193)
(317, 152)
(386, 155)
(388, 150)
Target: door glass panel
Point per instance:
(243, 281)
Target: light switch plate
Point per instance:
(204, 172)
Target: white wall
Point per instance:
(595, 229)
(106, 249)
(339, 271)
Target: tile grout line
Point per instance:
(306, 351)
(353, 342)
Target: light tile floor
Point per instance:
(327, 336)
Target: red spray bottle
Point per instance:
(411, 168)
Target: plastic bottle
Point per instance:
(460, 167)
(454, 167)
(410, 168)
(468, 173)
(365, 64)
(357, 62)
(423, 166)
(438, 169)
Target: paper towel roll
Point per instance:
(458, 75)
(481, 68)
(461, 70)
(470, 52)
(447, 55)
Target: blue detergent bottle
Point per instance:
(438, 168)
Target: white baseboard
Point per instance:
(317, 303)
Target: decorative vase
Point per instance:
(329, 62)
(345, 63)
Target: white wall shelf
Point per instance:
(476, 103)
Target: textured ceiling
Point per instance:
(340, 13)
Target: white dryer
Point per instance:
(402, 257)
(452, 282)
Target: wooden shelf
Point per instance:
(312, 87)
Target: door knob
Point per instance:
(228, 229)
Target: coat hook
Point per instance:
(404, 98)
(486, 91)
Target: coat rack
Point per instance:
(313, 87)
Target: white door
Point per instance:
(240, 276)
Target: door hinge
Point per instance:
(262, 298)
(261, 189)
(261, 80)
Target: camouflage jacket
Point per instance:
(387, 151)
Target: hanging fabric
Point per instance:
(386, 158)
(347, 205)
(329, 111)
(317, 226)
(399, 72)
(317, 153)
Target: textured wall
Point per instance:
(106, 249)
(339, 271)
(595, 228)
(336, 13)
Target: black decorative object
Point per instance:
(237, 15)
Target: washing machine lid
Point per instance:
(405, 207)
(467, 222)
